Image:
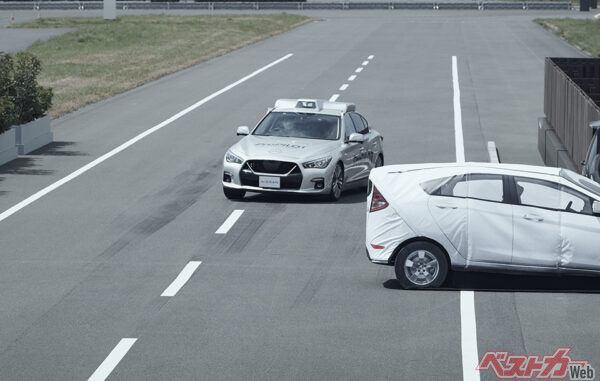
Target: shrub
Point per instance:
(7, 114)
(31, 100)
(6, 69)
(21, 98)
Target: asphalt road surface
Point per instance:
(287, 291)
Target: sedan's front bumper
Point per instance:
(299, 180)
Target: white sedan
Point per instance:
(428, 218)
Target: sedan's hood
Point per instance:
(278, 148)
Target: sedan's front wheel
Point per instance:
(421, 265)
(337, 183)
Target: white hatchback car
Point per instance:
(427, 218)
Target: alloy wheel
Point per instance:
(421, 267)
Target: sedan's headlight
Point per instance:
(319, 163)
(231, 158)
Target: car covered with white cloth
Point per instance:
(426, 219)
(308, 146)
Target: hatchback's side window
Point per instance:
(574, 201)
(456, 187)
(485, 187)
(349, 128)
(538, 193)
(446, 186)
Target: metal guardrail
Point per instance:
(273, 5)
(571, 99)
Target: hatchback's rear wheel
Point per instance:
(421, 265)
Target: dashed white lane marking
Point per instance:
(181, 279)
(352, 77)
(365, 63)
(344, 87)
(458, 129)
(493, 152)
(113, 359)
(358, 70)
(468, 323)
(230, 221)
(7, 213)
(334, 97)
(371, 57)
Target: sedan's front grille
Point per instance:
(293, 181)
(271, 166)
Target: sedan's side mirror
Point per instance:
(243, 130)
(596, 207)
(356, 138)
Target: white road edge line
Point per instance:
(334, 97)
(230, 221)
(358, 70)
(458, 130)
(468, 322)
(181, 279)
(113, 359)
(7, 213)
(493, 152)
(371, 57)
(365, 63)
(352, 77)
(344, 87)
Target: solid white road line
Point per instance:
(371, 57)
(344, 87)
(358, 70)
(458, 130)
(352, 77)
(113, 359)
(233, 217)
(181, 279)
(7, 213)
(334, 97)
(468, 323)
(493, 152)
(468, 336)
(365, 63)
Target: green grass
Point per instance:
(583, 33)
(104, 58)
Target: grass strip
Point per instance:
(103, 58)
(583, 33)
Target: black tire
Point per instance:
(337, 183)
(379, 161)
(424, 274)
(234, 194)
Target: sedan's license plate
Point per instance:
(269, 182)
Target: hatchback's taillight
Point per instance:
(378, 202)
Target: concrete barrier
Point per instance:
(553, 152)
(242, 5)
(33, 135)
(8, 149)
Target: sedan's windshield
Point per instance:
(299, 125)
